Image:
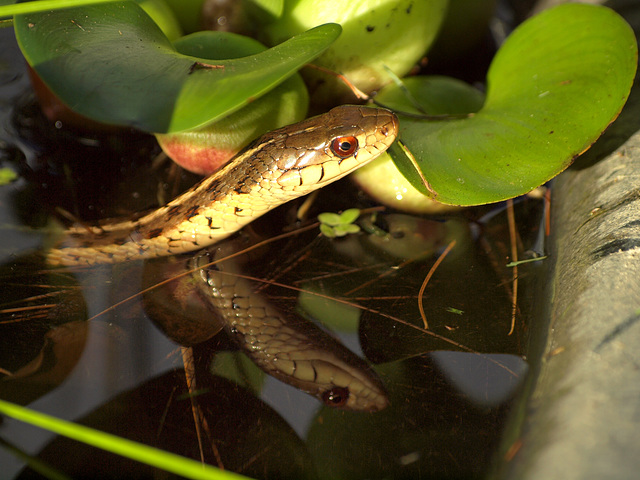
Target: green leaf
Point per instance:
(330, 218)
(378, 35)
(345, 229)
(204, 149)
(112, 63)
(349, 216)
(345, 218)
(557, 82)
(431, 95)
(271, 7)
(188, 13)
(163, 16)
(327, 230)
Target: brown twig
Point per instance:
(513, 239)
(426, 281)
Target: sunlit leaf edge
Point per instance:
(498, 153)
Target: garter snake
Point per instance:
(280, 166)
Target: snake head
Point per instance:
(333, 374)
(340, 397)
(325, 148)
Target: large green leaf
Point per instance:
(554, 86)
(204, 150)
(378, 36)
(113, 64)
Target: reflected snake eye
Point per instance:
(336, 397)
(344, 146)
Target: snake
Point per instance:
(281, 343)
(283, 164)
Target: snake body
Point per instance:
(280, 166)
(282, 344)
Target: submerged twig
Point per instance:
(426, 281)
(511, 219)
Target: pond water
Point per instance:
(79, 343)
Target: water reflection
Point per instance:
(486, 380)
(448, 402)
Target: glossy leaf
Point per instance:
(113, 64)
(557, 82)
(378, 36)
(163, 16)
(204, 150)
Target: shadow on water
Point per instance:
(450, 386)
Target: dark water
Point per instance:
(450, 386)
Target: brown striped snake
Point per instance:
(282, 165)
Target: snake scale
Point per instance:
(281, 165)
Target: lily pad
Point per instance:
(554, 86)
(113, 64)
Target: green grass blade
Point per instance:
(44, 5)
(126, 448)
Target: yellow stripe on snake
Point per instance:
(282, 165)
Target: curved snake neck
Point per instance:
(281, 165)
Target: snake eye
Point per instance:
(344, 146)
(336, 397)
